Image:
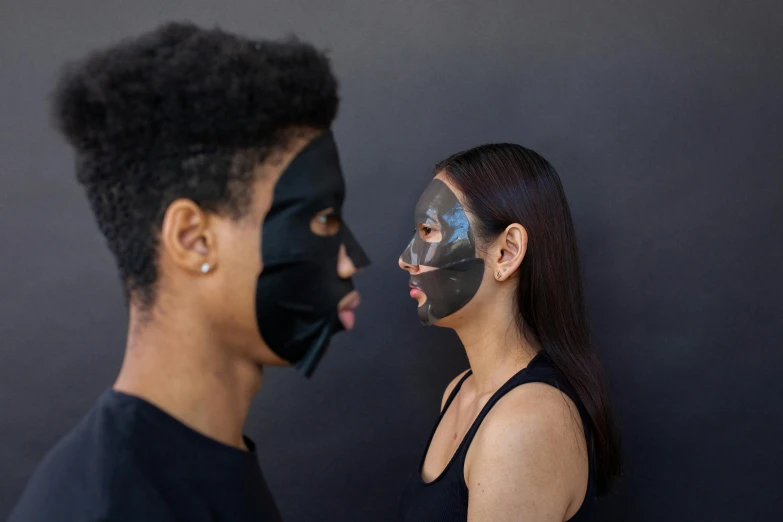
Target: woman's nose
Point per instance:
(345, 267)
(407, 266)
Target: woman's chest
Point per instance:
(447, 439)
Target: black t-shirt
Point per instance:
(127, 460)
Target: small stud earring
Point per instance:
(498, 275)
(504, 270)
(205, 268)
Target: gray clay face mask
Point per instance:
(458, 271)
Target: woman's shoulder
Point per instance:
(532, 441)
(534, 407)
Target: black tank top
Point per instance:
(445, 499)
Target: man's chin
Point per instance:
(263, 355)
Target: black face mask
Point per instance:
(459, 272)
(299, 289)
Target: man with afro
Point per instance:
(197, 149)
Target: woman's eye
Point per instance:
(428, 234)
(323, 220)
(424, 231)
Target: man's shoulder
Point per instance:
(90, 453)
(84, 476)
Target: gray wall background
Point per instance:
(664, 119)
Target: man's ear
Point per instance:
(508, 251)
(187, 238)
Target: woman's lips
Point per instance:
(345, 310)
(415, 292)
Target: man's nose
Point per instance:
(345, 267)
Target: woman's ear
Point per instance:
(509, 251)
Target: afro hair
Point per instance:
(182, 112)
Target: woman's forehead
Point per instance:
(440, 198)
(444, 177)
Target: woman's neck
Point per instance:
(189, 376)
(494, 346)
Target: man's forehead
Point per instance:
(314, 175)
(313, 183)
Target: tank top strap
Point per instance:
(539, 369)
(455, 391)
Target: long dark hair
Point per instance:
(504, 184)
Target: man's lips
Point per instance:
(345, 310)
(415, 292)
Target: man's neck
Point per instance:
(189, 375)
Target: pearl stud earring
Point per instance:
(205, 268)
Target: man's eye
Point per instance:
(426, 230)
(325, 224)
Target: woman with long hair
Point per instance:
(527, 432)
